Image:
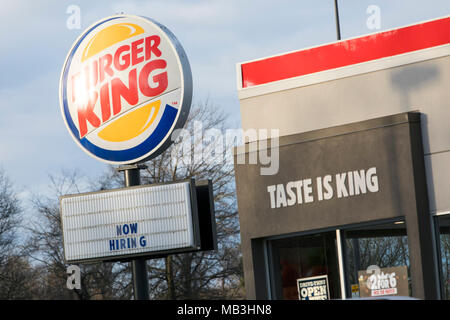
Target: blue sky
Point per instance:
(215, 34)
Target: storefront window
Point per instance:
(444, 244)
(305, 267)
(377, 260)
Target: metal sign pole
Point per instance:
(338, 26)
(139, 266)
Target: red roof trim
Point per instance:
(347, 52)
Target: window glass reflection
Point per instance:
(378, 257)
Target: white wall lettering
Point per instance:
(345, 184)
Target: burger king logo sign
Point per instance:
(125, 86)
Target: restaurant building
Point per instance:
(359, 205)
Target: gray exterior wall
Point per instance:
(392, 145)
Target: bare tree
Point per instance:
(445, 263)
(382, 251)
(199, 152)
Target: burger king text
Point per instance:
(99, 80)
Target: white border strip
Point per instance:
(341, 263)
(342, 72)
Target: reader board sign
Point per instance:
(378, 282)
(137, 221)
(313, 288)
(125, 86)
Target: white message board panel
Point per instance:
(126, 222)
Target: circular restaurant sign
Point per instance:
(126, 85)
